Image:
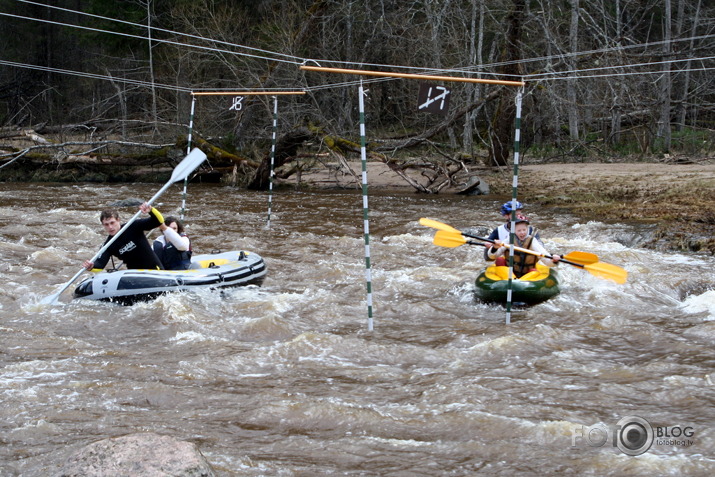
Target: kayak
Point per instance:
(217, 270)
(534, 287)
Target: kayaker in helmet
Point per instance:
(525, 237)
(132, 246)
(173, 247)
(502, 232)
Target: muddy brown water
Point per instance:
(286, 380)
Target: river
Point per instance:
(286, 380)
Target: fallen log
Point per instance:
(216, 155)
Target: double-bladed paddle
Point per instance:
(181, 171)
(448, 236)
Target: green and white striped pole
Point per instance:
(365, 216)
(273, 157)
(188, 150)
(514, 187)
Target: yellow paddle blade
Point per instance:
(584, 258)
(448, 239)
(607, 271)
(438, 225)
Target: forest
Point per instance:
(121, 80)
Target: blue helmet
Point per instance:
(506, 208)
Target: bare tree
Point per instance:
(573, 106)
(664, 130)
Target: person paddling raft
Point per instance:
(132, 246)
(525, 237)
(174, 247)
(502, 232)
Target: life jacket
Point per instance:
(523, 262)
(173, 258)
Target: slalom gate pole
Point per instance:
(273, 157)
(514, 187)
(366, 220)
(188, 149)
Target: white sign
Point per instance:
(237, 104)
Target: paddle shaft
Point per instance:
(524, 250)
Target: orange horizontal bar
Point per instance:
(243, 93)
(410, 75)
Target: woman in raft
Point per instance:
(523, 262)
(173, 247)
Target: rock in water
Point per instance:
(127, 203)
(474, 186)
(138, 454)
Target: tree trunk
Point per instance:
(154, 113)
(475, 57)
(571, 83)
(664, 130)
(503, 120)
(286, 149)
(682, 109)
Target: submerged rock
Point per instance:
(138, 454)
(127, 203)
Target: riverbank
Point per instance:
(678, 198)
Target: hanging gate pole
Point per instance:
(514, 187)
(386, 74)
(188, 149)
(366, 220)
(237, 105)
(273, 157)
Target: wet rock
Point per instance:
(474, 186)
(127, 203)
(138, 454)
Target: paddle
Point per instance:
(584, 258)
(182, 171)
(448, 236)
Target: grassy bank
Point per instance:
(680, 199)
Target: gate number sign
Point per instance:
(433, 99)
(237, 103)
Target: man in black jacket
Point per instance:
(132, 246)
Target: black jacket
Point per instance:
(132, 247)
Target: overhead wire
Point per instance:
(297, 60)
(477, 69)
(82, 74)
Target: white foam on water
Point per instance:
(704, 303)
(191, 337)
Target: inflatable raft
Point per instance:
(219, 270)
(532, 288)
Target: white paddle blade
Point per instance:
(52, 299)
(188, 165)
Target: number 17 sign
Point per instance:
(433, 99)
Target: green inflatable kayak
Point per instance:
(534, 287)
